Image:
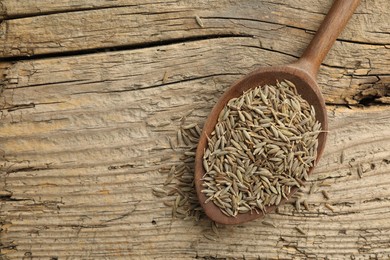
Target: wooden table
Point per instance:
(91, 93)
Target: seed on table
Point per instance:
(306, 205)
(193, 133)
(327, 205)
(187, 127)
(312, 188)
(198, 130)
(172, 192)
(325, 194)
(360, 170)
(186, 138)
(171, 144)
(168, 203)
(165, 77)
(177, 201)
(188, 153)
(300, 230)
(159, 190)
(214, 228)
(170, 177)
(268, 223)
(189, 160)
(342, 156)
(199, 21)
(180, 141)
(183, 201)
(298, 205)
(323, 184)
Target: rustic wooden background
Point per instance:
(89, 94)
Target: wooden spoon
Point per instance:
(303, 74)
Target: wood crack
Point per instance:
(261, 21)
(15, 107)
(27, 169)
(271, 50)
(45, 84)
(145, 45)
(363, 42)
(125, 215)
(5, 15)
(8, 17)
(376, 200)
(158, 85)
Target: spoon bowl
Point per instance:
(306, 86)
(303, 74)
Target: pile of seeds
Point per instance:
(264, 143)
(178, 190)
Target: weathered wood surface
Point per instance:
(275, 27)
(85, 121)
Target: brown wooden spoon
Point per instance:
(303, 74)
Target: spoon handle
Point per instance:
(331, 27)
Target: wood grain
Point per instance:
(80, 172)
(70, 26)
(85, 120)
(357, 63)
(230, 58)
